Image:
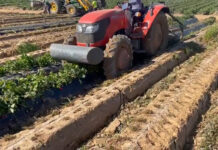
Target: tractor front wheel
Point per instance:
(71, 9)
(55, 6)
(118, 56)
(157, 38)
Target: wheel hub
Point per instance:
(72, 10)
(53, 7)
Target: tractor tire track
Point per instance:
(148, 111)
(132, 84)
(173, 114)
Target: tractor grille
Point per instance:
(96, 36)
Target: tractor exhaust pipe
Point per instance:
(71, 53)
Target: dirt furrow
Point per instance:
(33, 33)
(207, 131)
(34, 37)
(14, 15)
(10, 54)
(130, 111)
(92, 111)
(169, 119)
(17, 19)
(13, 24)
(37, 26)
(43, 41)
(34, 54)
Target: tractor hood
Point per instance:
(99, 15)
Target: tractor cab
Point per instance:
(137, 9)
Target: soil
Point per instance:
(203, 17)
(19, 11)
(165, 121)
(163, 118)
(90, 112)
(9, 47)
(207, 131)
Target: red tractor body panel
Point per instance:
(142, 30)
(149, 19)
(117, 18)
(119, 21)
(96, 16)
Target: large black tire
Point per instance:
(118, 56)
(56, 6)
(67, 2)
(71, 9)
(157, 38)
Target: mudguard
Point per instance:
(151, 15)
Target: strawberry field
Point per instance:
(20, 3)
(183, 6)
(43, 99)
(14, 92)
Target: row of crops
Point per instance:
(15, 92)
(19, 3)
(182, 6)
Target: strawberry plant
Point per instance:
(14, 93)
(180, 6)
(27, 47)
(26, 63)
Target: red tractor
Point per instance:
(113, 35)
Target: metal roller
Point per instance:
(71, 53)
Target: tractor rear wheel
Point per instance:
(118, 56)
(67, 2)
(71, 9)
(56, 6)
(157, 38)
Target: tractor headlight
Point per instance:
(79, 28)
(92, 28)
